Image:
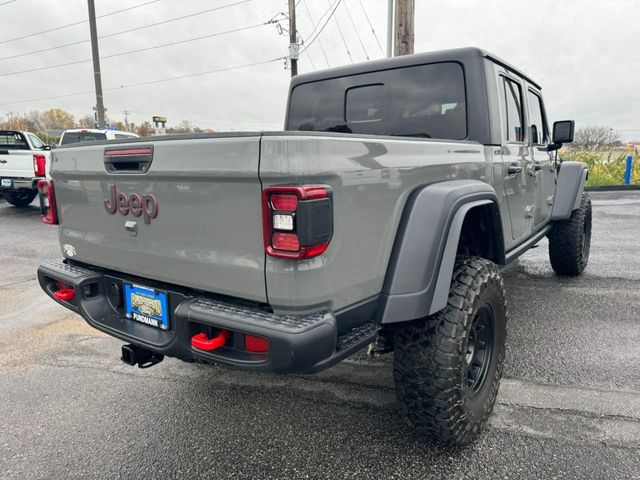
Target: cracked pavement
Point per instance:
(568, 407)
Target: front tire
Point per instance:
(447, 367)
(570, 241)
(21, 198)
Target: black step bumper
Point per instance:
(296, 343)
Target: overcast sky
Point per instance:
(584, 53)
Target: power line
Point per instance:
(76, 23)
(310, 40)
(149, 82)
(315, 27)
(128, 30)
(335, 18)
(9, 1)
(356, 30)
(324, 53)
(370, 25)
(197, 74)
(313, 65)
(179, 42)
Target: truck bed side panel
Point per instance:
(208, 231)
(371, 179)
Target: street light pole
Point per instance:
(390, 9)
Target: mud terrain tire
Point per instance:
(445, 385)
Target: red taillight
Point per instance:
(284, 203)
(285, 241)
(47, 197)
(39, 165)
(297, 221)
(256, 344)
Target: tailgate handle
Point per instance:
(128, 160)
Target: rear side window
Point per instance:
(35, 141)
(13, 141)
(77, 137)
(425, 101)
(537, 121)
(515, 125)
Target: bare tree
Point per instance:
(86, 122)
(594, 138)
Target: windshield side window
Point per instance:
(426, 101)
(514, 113)
(538, 125)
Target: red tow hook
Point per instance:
(201, 342)
(65, 294)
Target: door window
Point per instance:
(536, 118)
(513, 97)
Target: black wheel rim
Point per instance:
(479, 349)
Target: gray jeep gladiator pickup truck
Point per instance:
(380, 217)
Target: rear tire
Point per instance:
(570, 241)
(21, 198)
(447, 366)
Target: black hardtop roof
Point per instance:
(462, 55)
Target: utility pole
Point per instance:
(126, 119)
(294, 47)
(96, 64)
(405, 20)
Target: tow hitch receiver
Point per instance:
(132, 355)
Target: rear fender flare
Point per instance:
(423, 256)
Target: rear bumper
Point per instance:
(21, 183)
(296, 343)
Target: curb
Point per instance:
(611, 188)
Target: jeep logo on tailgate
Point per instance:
(135, 204)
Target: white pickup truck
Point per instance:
(79, 135)
(24, 160)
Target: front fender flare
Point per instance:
(569, 188)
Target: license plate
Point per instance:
(146, 305)
(7, 182)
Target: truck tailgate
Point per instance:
(16, 163)
(193, 219)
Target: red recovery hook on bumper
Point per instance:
(201, 342)
(65, 294)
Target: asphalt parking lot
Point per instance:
(569, 405)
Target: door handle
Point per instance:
(533, 169)
(514, 169)
(3, 161)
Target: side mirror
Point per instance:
(563, 131)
